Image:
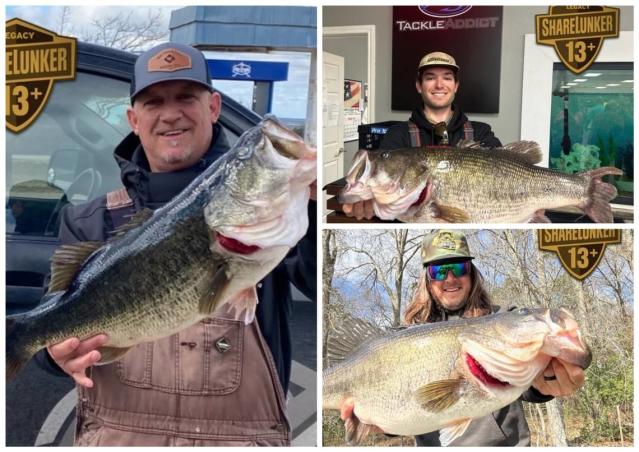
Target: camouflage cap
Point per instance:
(442, 245)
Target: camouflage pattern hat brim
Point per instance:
(444, 245)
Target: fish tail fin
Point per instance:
(600, 193)
(16, 355)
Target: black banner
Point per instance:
(471, 35)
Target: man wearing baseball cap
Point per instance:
(219, 382)
(436, 121)
(450, 287)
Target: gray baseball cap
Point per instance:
(169, 61)
(444, 245)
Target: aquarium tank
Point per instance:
(591, 122)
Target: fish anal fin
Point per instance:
(356, 430)
(110, 354)
(439, 395)
(67, 261)
(136, 220)
(449, 214)
(217, 286)
(453, 431)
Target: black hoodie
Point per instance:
(92, 222)
(398, 135)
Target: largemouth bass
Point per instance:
(173, 267)
(471, 184)
(441, 376)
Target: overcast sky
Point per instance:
(289, 97)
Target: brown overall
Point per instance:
(213, 384)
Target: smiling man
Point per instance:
(436, 121)
(218, 382)
(450, 288)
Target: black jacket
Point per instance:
(92, 222)
(398, 135)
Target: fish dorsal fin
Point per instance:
(453, 431)
(527, 151)
(470, 144)
(439, 395)
(136, 220)
(66, 262)
(348, 336)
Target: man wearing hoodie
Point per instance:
(437, 121)
(218, 382)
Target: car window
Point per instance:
(66, 155)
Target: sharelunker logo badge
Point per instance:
(36, 58)
(577, 32)
(579, 250)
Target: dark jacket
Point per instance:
(92, 222)
(504, 427)
(398, 135)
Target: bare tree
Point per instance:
(64, 27)
(125, 31)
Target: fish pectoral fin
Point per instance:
(211, 297)
(67, 261)
(136, 220)
(452, 431)
(110, 354)
(449, 214)
(356, 430)
(244, 304)
(439, 395)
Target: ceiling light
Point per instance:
(612, 84)
(579, 80)
(571, 84)
(627, 81)
(592, 74)
(601, 87)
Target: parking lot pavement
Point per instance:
(40, 407)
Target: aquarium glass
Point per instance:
(591, 122)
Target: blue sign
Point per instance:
(259, 71)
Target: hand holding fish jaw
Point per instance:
(568, 378)
(73, 356)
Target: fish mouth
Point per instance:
(478, 371)
(357, 188)
(285, 142)
(235, 246)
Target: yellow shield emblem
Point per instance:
(35, 59)
(577, 32)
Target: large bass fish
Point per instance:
(173, 267)
(441, 376)
(471, 184)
